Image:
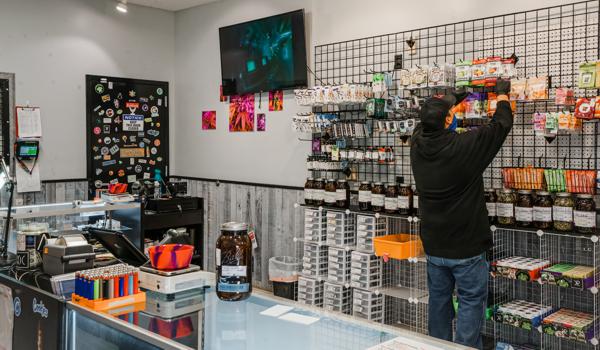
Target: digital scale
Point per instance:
(159, 281)
(183, 304)
(172, 282)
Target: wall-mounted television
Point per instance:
(264, 55)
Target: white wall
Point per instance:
(52, 44)
(275, 156)
(338, 20)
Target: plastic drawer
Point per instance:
(365, 258)
(366, 298)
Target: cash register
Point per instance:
(165, 282)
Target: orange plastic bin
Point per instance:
(399, 246)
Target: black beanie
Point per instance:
(433, 114)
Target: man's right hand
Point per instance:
(502, 86)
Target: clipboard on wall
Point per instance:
(29, 122)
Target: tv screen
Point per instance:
(264, 55)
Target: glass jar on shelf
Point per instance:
(524, 208)
(391, 199)
(505, 207)
(308, 191)
(405, 198)
(330, 193)
(584, 215)
(377, 197)
(542, 210)
(364, 196)
(318, 192)
(562, 212)
(490, 204)
(415, 201)
(342, 199)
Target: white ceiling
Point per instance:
(171, 5)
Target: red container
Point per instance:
(171, 256)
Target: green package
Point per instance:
(587, 75)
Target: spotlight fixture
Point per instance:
(122, 6)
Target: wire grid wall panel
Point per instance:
(551, 41)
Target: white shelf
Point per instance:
(405, 293)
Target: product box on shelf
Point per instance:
(367, 305)
(520, 268)
(570, 324)
(365, 271)
(522, 314)
(337, 297)
(310, 291)
(569, 276)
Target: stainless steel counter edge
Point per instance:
(127, 328)
(44, 210)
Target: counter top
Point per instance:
(199, 320)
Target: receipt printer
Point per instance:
(69, 253)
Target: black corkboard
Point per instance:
(115, 108)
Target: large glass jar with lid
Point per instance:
(377, 197)
(342, 199)
(405, 198)
(364, 196)
(524, 208)
(542, 210)
(234, 262)
(391, 199)
(505, 207)
(584, 215)
(562, 212)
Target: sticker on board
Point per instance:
(132, 152)
(133, 122)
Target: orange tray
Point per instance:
(399, 246)
(103, 305)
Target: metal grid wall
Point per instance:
(551, 41)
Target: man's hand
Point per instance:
(502, 86)
(460, 95)
(455, 97)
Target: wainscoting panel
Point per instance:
(269, 210)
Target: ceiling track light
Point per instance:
(122, 6)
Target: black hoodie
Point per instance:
(448, 170)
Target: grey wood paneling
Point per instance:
(270, 211)
(52, 192)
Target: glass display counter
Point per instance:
(61, 217)
(199, 320)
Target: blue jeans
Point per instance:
(470, 276)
